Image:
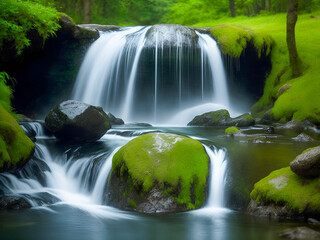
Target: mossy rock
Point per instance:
(215, 118)
(231, 130)
(284, 194)
(222, 118)
(158, 172)
(15, 147)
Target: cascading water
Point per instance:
(151, 73)
(77, 176)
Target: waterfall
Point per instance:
(218, 166)
(151, 73)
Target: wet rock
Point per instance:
(98, 27)
(75, 121)
(313, 221)
(222, 118)
(283, 89)
(150, 174)
(307, 164)
(300, 233)
(13, 203)
(292, 128)
(302, 137)
(244, 120)
(232, 130)
(269, 130)
(114, 120)
(171, 35)
(269, 210)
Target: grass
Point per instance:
(283, 187)
(15, 146)
(302, 101)
(167, 160)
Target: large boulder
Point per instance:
(15, 147)
(284, 194)
(222, 118)
(302, 233)
(76, 121)
(158, 172)
(307, 164)
(114, 120)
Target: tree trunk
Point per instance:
(232, 10)
(292, 16)
(86, 11)
(268, 4)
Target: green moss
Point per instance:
(233, 40)
(283, 187)
(178, 162)
(15, 146)
(231, 130)
(132, 203)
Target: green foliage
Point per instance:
(15, 146)
(233, 40)
(283, 187)
(231, 130)
(165, 159)
(17, 18)
(5, 92)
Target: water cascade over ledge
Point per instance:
(152, 73)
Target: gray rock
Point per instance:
(244, 120)
(291, 129)
(13, 203)
(307, 164)
(171, 35)
(75, 121)
(300, 233)
(269, 130)
(313, 221)
(269, 210)
(114, 120)
(302, 137)
(98, 27)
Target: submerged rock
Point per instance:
(284, 194)
(307, 164)
(302, 137)
(222, 118)
(300, 233)
(158, 172)
(292, 128)
(13, 203)
(15, 147)
(76, 121)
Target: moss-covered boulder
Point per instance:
(232, 130)
(158, 172)
(307, 164)
(284, 194)
(215, 118)
(244, 120)
(222, 118)
(76, 121)
(15, 147)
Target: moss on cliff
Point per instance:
(15, 147)
(233, 40)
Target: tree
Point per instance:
(232, 10)
(268, 5)
(292, 16)
(86, 11)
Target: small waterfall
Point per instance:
(151, 73)
(217, 177)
